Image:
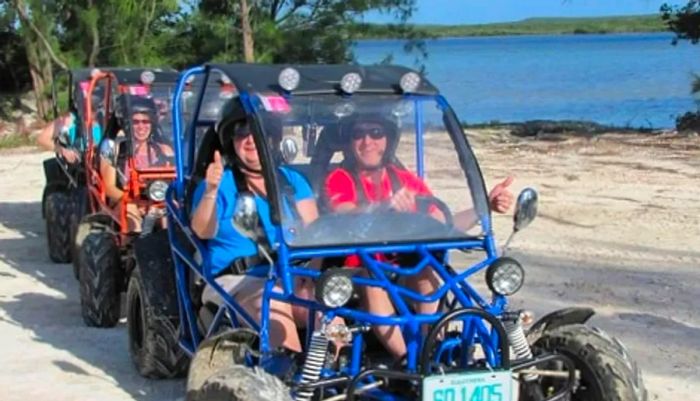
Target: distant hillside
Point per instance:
(532, 26)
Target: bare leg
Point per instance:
(133, 218)
(283, 330)
(376, 301)
(425, 283)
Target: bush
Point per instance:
(689, 121)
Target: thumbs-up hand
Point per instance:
(215, 171)
(500, 197)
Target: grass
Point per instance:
(532, 26)
(15, 140)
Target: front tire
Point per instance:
(152, 337)
(240, 383)
(100, 278)
(607, 371)
(58, 234)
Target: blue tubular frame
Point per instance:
(187, 268)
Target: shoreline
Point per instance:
(648, 23)
(583, 128)
(521, 34)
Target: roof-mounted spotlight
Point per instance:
(147, 77)
(410, 82)
(350, 82)
(289, 79)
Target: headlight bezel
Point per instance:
(497, 280)
(335, 279)
(157, 186)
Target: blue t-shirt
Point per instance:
(228, 244)
(73, 134)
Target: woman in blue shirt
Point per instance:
(214, 201)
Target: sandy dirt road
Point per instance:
(619, 230)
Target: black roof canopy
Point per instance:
(320, 78)
(127, 75)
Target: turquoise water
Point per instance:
(635, 80)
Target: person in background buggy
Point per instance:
(67, 126)
(370, 177)
(147, 152)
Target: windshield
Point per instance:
(382, 169)
(151, 125)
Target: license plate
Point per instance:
(469, 386)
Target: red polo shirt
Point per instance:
(340, 188)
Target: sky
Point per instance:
(455, 12)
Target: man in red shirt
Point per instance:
(368, 178)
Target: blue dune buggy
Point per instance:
(473, 348)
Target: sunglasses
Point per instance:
(242, 132)
(374, 133)
(138, 122)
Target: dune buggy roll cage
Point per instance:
(121, 78)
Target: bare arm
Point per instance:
(308, 211)
(204, 219)
(465, 220)
(109, 177)
(45, 140)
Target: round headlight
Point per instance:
(334, 288)
(156, 191)
(350, 82)
(505, 276)
(288, 79)
(409, 82)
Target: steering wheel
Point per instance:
(423, 203)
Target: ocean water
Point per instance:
(630, 80)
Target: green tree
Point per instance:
(301, 31)
(683, 21)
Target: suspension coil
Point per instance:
(518, 341)
(315, 360)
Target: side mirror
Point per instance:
(525, 209)
(111, 148)
(245, 216)
(107, 151)
(289, 149)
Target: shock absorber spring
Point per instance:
(315, 360)
(518, 341)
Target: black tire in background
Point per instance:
(57, 211)
(153, 338)
(607, 372)
(79, 203)
(100, 278)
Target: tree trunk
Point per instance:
(40, 81)
(95, 51)
(248, 43)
